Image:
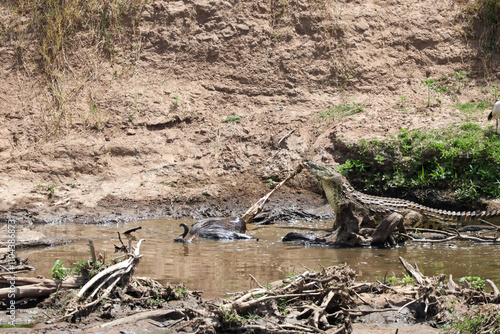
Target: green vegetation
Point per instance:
(340, 111)
(59, 271)
(394, 280)
(450, 85)
(479, 322)
(402, 105)
(271, 182)
(232, 119)
(176, 99)
(84, 268)
(156, 301)
(282, 305)
(475, 282)
(432, 89)
(463, 161)
(29, 325)
(182, 290)
(471, 107)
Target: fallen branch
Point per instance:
(259, 205)
(156, 314)
(421, 279)
(35, 287)
(318, 312)
(243, 306)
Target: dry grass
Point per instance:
(53, 37)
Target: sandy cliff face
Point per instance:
(146, 132)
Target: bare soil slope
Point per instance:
(141, 133)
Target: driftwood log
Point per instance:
(27, 287)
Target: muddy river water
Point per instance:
(218, 267)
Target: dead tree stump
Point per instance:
(383, 233)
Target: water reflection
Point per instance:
(221, 266)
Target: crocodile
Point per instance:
(338, 190)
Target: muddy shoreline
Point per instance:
(283, 206)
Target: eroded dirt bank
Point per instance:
(140, 134)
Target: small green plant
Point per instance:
(340, 111)
(432, 88)
(352, 166)
(487, 321)
(471, 107)
(59, 271)
(156, 301)
(407, 279)
(85, 268)
(176, 99)
(258, 295)
(282, 305)
(460, 79)
(402, 102)
(232, 119)
(252, 317)
(232, 319)
(495, 91)
(51, 188)
(182, 290)
(475, 282)
(271, 182)
(394, 280)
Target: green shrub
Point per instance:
(461, 161)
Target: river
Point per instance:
(220, 267)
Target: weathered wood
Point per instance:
(154, 315)
(92, 251)
(27, 287)
(259, 205)
(421, 279)
(387, 226)
(119, 266)
(66, 284)
(27, 291)
(350, 229)
(494, 289)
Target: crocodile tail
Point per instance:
(490, 116)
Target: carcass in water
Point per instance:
(214, 228)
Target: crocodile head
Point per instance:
(325, 173)
(332, 182)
